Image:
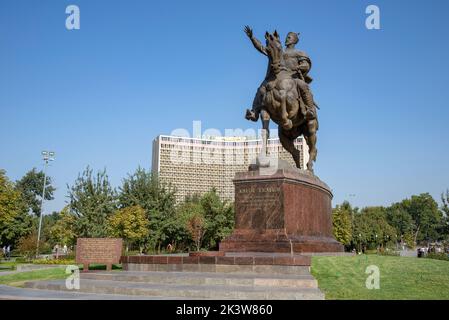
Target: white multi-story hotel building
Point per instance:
(195, 166)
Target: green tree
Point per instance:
(175, 230)
(427, 217)
(371, 228)
(63, 230)
(14, 219)
(27, 246)
(197, 227)
(409, 239)
(129, 223)
(342, 223)
(144, 189)
(215, 216)
(31, 186)
(219, 216)
(189, 220)
(48, 221)
(92, 201)
(401, 220)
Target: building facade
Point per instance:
(195, 166)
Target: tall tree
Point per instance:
(427, 218)
(371, 228)
(31, 186)
(342, 223)
(189, 226)
(203, 220)
(92, 201)
(197, 227)
(131, 224)
(401, 220)
(219, 216)
(14, 219)
(62, 232)
(144, 189)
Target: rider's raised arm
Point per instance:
(256, 43)
(259, 46)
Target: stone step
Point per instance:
(185, 291)
(207, 278)
(14, 293)
(220, 268)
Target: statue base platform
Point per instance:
(281, 209)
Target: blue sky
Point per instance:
(99, 95)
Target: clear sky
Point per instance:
(99, 95)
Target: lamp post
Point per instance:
(47, 156)
(377, 247)
(352, 220)
(360, 242)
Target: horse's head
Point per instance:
(274, 49)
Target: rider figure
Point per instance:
(296, 61)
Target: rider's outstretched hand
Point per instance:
(249, 31)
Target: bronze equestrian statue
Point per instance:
(284, 96)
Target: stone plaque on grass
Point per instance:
(98, 250)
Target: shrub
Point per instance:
(437, 256)
(54, 261)
(21, 260)
(70, 256)
(27, 246)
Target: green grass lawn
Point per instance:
(400, 277)
(7, 265)
(338, 277)
(18, 279)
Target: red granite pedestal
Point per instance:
(288, 211)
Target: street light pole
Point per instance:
(377, 246)
(47, 156)
(352, 219)
(360, 242)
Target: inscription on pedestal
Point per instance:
(287, 212)
(259, 205)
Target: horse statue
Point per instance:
(282, 102)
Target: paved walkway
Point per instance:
(13, 293)
(5, 273)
